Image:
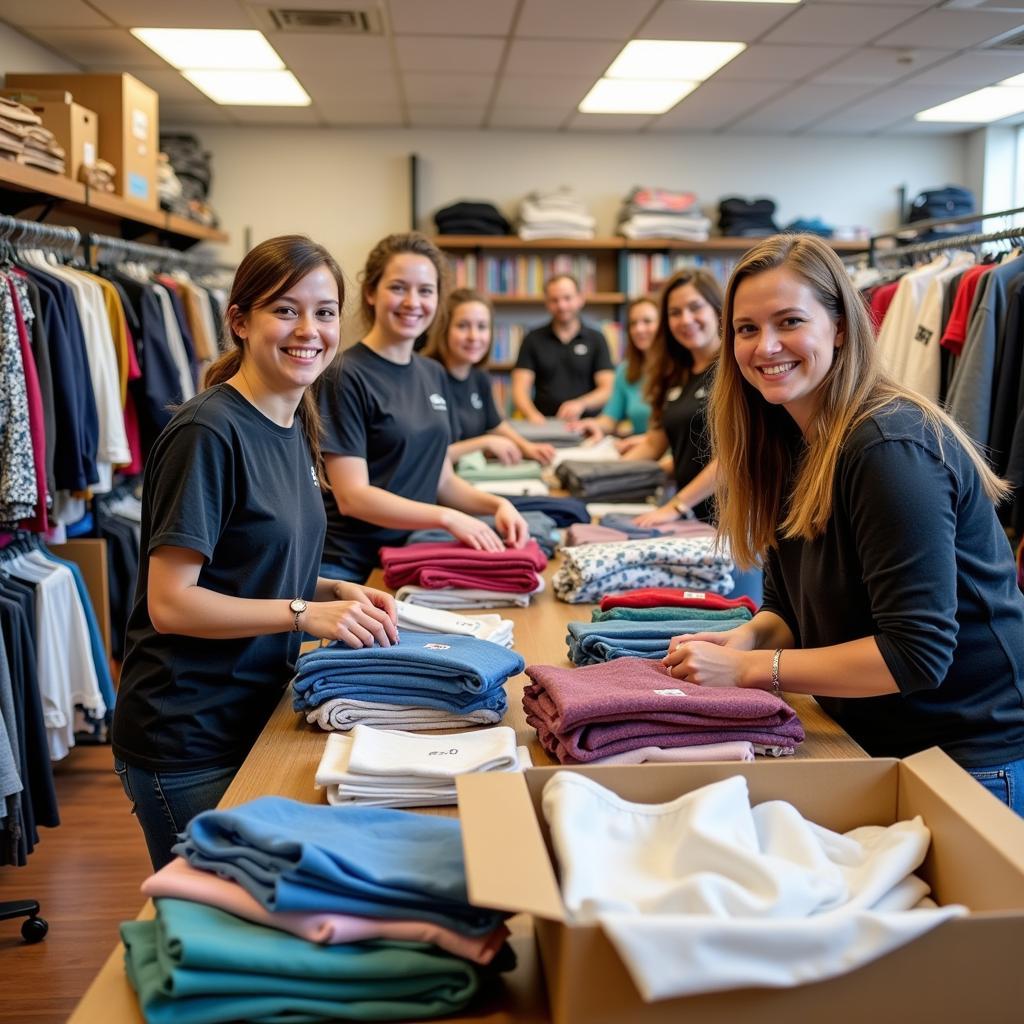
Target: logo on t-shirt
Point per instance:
(673, 394)
(580, 349)
(923, 335)
(437, 647)
(699, 394)
(312, 470)
(476, 401)
(671, 693)
(437, 403)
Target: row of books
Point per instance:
(507, 337)
(644, 273)
(522, 274)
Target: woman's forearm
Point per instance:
(209, 615)
(382, 508)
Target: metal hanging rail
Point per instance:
(33, 234)
(954, 242)
(120, 247)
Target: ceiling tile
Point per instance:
(542, 92)
(879, 65)
(446, 117)
(881, 109)
(179, 14)
(303, 51)
(171, 85)
(377, 115)
(714, 104)
(436, 18)
(344, 89)
(953, 30)
(52, 14)
(101, 48)
(798, 107)
(977, 68)
(527, 56)
(275, 115)
(692, 19)
(194, 113)
(839, 24)
(582, 19)
(763, 62)
(448, 53)
(529, 117)
(609, 122)
(451, 90)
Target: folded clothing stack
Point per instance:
(588, 533)
(99, 176)
(692, 616)
(475, 468)
(583, 714)
(543, 529)
(559, 213)
(552, 431)
(169, 188)
(467, 598)
(742, 218)
(603, 451)
(42, 150)
(445, 565)
(471, 218)
(426, 681)
(589, 572)
(662, 213)
(651, 597)
(15, 121)
(626, 480)
(564, 511)
(384, 768)
(593, 642)
(416, 619)
(811, 226)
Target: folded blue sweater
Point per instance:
(594, 642)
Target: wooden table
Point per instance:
(283, 763)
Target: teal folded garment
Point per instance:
(195, 964)
(661, 614)
(475, 468)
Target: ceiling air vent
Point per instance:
(351, 21)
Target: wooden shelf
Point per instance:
(30, 179)
(593, 298)
(713, 244)
(107, 202)
(193, 229)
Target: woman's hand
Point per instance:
(709, 659)
(589, 428)
(504, 450)
(573, 409)
(542, 453)
(656, 517)
(623, 445)
(511, 525)
(357, 623)
(471, 532)
(371, 598)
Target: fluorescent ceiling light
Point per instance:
(211, 48)
(250, 88)
(980, 107)
(1016, 82)
(672, 59)
(628, 96)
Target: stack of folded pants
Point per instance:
(589, 572)
(467, 598)
(417, 619)
(583, 714)
(385, 768)
(590, 643)
(625, 480)
(543, 529)
(558, 213)
(426, 681)
(687, 597)
(446, 565)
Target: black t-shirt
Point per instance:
(396, 417)
(225, 481)
(914, 556)
(562, 370)
(473, 409)
(684, 420)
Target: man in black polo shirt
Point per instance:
(564, 365)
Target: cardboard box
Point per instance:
(74, 126)
(129, 129)
(967, 969)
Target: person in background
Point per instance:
(563, 368)
(890, 589)
(627, 403)
(232, 531)
(460, 340)
(387, 423)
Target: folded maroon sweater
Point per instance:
(440, 565)
(654, 597)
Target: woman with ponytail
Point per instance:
(232, 533)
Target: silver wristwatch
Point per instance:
(298, 606)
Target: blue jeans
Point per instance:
(1004, 781)
(165, 802)
(333, 571)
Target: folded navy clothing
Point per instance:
(439, 670)
(375, 862)
(593, 642)
(543, 529)
(611, 481)
(564, 511)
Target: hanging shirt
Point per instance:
(684, 420)
(897, 331)
(473, 409)
(18, 491)
(562, 370)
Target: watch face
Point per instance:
(298, 605)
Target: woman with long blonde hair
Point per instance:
(890, 590)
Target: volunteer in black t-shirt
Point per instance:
(387, 425)
(563, 368)
(460, 340)
(232, 531)
(890, 587)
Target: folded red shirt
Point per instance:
(656, 597)
(440, 565)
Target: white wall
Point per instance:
(18, 53)
(347, 188)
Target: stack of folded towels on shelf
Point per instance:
(662, 213)
(15, 121)
(282, 911)
(417, 619)
(451, 575)
(624, 480)
(523, 477)
(543, 529)
(385, 768)
(559, 213)
(622, 707)
(615, 528)
(426, 681)
(591, 571)
(41, 150)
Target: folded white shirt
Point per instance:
(513, 488)
(343, 713)
(706, 893)
(603, 451)
(420, 619)
(626, 508)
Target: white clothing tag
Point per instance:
(437, 647)
(671, 693)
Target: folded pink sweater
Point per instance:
(178, 880)
(440, 565)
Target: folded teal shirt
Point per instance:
(672, 612)
(475, 468)
(627, 401)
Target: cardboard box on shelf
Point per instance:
(966, 969)
(128, 130)
(75, 127)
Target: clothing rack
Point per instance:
(33, 234)
(103, 246)
(968, 241)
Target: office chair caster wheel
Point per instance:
(34, 929)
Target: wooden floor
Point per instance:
(86, 875)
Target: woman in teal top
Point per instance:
(627, 401)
